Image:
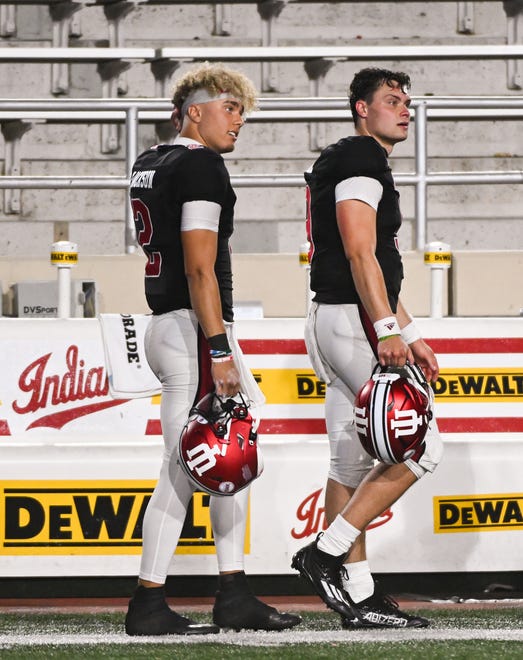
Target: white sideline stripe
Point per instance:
(251, 638)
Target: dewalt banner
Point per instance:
(290, 386)
(467, 385)
(478, 513)
(473, 385)
(90, 518)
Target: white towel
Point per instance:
(249, 386)
(129, 374)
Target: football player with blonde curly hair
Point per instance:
(215, 79)
(183, 205)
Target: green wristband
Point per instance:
(388, 337)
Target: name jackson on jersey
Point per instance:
(164, 179)
(143, 179)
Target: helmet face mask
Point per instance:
(392, 412)
(218, 446)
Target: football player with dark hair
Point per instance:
(357, 319)
(183, 206)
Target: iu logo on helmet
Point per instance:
(406, 422)
(203, 457)
(391, 415)
(360, 420)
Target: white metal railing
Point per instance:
(185, 2)
(189, 2)
(261, 53)
(132, 111)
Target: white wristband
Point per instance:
(410, 333)
(387, 327)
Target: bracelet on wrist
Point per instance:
(387, 337)
(387, 327)
(219, 343)
(224, 358)
(215, 353)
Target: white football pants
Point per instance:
(341, 355)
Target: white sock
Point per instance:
(338, 537)
(357, 580)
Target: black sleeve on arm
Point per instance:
(205, 177)
(358, 155)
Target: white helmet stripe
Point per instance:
(379, 425)
(417, 377)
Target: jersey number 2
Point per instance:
(144, 228)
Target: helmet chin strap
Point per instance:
(239, 406)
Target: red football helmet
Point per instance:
(392, 412)
(218, 446)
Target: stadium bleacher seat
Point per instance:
(293, 49)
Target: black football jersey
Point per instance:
(331, 277)
(163, 179)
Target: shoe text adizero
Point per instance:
(381, 611)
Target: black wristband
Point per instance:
(219, 343)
